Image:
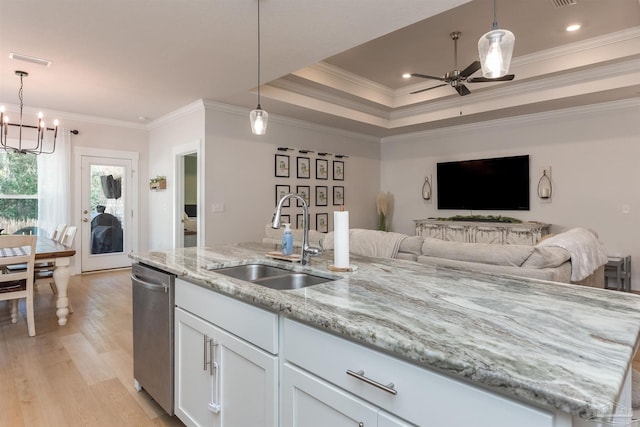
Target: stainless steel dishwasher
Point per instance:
(153, 305)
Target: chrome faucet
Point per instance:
(307, 251)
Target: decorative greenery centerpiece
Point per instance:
(384, 205)
(482, 218)
(158, 183)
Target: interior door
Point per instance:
(106, 212)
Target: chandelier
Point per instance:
(38, 131)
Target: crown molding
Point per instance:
(176, 114)
(355, 79)
(543, 117)
(63, 116)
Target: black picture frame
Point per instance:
(305, 192)
(338, 170)
(299, 218)
(338, 195)
(285, 219)
(322, 169)
(281, 190)
(303, 170)
(322, 195)
(281, 166)
(322, 222)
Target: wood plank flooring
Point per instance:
(80, 374)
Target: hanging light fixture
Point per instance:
(495, 49)
(39, 131)
(258, 117)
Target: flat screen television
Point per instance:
(484, 184)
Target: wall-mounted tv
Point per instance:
(484, 184)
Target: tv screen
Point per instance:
(484, 184)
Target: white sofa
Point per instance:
(553, 259)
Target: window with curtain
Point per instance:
(18, 191)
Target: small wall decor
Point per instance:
(282, 166)
(299, 224)
(426, 188)
(303, 190)
(321, 195)
(281, 191)
(304, 167)
(322, 222)
(322, 169)
(285, 219)
(338, 195)
(545, 187)
(158, 183)
(338, 170)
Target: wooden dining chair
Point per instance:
(58, 233)
(18, 249)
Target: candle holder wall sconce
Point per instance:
(545, 186)
(427, 188)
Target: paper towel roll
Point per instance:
(341, 239)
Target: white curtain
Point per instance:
(54, 193)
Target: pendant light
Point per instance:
(258, 117)
(495, 49)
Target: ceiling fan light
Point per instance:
(495, 49)
(258, 119)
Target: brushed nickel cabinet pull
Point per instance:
(360, 375)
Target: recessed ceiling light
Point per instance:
(573, 27)
(406, 75)
(27, 58)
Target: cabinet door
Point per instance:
(247, 383)
(194, 382)
(388, 420)
(311, 402)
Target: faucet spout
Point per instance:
(306, 251)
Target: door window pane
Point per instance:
(107, 209)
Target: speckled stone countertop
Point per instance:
(560, 346)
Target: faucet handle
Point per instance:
(313, 251)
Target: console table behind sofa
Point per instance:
(526, 233)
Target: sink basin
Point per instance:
(251, 272)
(273, 277)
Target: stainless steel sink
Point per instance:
(273, 277)
(251, 272)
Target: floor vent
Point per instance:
(563, 3)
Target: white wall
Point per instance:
(593, 151)
(181, 127)
(240, 173)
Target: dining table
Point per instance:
(49, 250)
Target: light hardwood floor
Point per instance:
(80, 374)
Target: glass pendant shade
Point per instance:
(495, 49)
(259, 119)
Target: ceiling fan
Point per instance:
(456, 78)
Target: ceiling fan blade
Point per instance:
(472, 68)
(424, 76)
(429, 88)
(462, 90)
(506, 78)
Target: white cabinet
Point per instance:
(221, 380)
(312, 402)
(423, 397)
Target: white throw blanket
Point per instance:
(374, 243)
(587, 253)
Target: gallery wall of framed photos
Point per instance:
(319, 177)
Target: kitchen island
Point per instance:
(562, 347)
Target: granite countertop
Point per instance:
(561, 346)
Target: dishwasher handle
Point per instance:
(148, 285)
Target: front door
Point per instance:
(106, 212)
